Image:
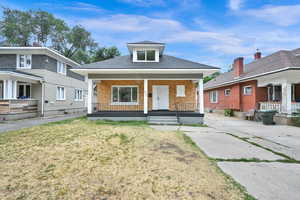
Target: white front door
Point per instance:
(160, 97)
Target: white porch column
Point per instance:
(90, 96)
(286, 91)
(9, 89)
(145, 96)
(201, 96)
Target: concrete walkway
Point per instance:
(231, 139)
(27, 123)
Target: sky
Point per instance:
(212, 32)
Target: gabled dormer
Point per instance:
(146, 51)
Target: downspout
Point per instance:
(43, 98)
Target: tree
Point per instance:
(208, 78)
(43, 24)
(16, 27)
(105, 53)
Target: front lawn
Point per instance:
(81, 159)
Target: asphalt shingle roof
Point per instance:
(276, 61)
(165, 62)
(20, 72)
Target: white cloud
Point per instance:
(279, 15)
(235, 4)
(145, 3)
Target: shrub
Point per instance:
(296, 121)
(228, 112)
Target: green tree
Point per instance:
(208, 78)
(105, 53)
(16, 27)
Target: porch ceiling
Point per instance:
(290, 76)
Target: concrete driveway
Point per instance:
(264, 159)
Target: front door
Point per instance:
(160, 97)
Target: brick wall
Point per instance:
(104, 93)
(237, 100)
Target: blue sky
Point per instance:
(200, 30)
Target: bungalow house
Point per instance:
(268, 83)
(146, 84)
(37, 81)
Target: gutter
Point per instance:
(251, 77)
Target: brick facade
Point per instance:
(104, 93)
(237, 100)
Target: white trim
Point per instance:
(124, 103)
(244, 90)
(78, 90)
(211, 96)
(180, 90)
(61, 66)
(145, 96)
(90, 96)
(227, 90)
(201, 96)
(58, 98)
(135, 55)
(180, 71)
(155, 100)
(26, 56)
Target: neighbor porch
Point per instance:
(282, 92)
(19, 95)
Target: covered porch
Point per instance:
(137, 98)
(282, 92)
(19, 96)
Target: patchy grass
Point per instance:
(122, 123)
(81, 159)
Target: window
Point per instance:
(247, 90)
(213, 95)
(61, 68)
(145, 55)
(24, 61)
(60, 93)
(125, 95)
(78, 95)
(24, 91)
(180, 90)
(227, 92)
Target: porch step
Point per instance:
(172, 120)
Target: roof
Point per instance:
(146, 42)
(10, 70)
(279, 60)
(40, 50)
(165, 62)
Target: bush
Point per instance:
(228, 112)
(296, 121)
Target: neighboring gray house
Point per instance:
(37, 81)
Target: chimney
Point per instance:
(257, 55)
(36, 44)
(238, 66)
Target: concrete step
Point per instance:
(163, 123)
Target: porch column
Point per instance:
(9, 89)
(201, 96)
(90, 96)
(286, 98)
(145, 96)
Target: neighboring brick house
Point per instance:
(147, 84)
(37, 81)
(268, 83)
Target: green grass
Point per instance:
(121, 123)
(66, 121)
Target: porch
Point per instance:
(147, 99)
(19, 95)
(282, 93)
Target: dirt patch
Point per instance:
(85, 160)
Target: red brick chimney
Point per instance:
(238, 66)
(257, 55)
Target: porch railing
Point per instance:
(18, 106)
(102, 107)
(266, 106)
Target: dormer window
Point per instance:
(145, 55)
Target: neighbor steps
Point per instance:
(165, 120)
